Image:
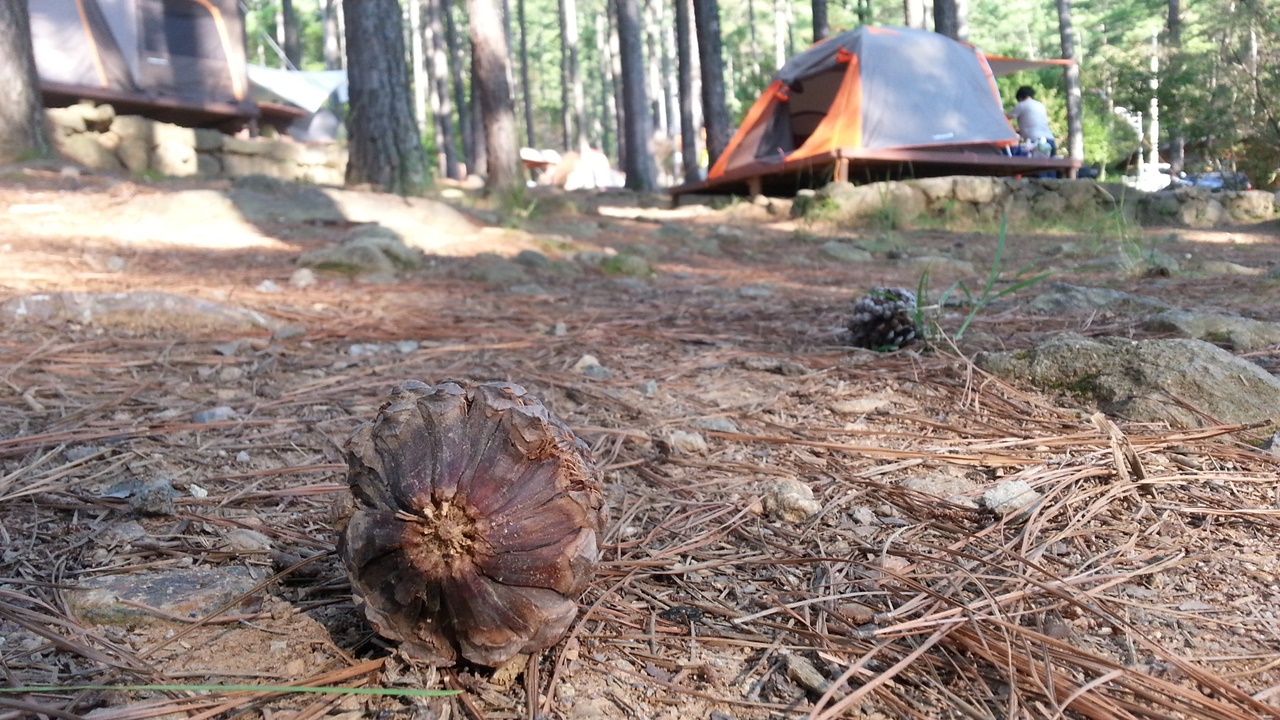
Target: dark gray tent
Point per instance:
(179, 61)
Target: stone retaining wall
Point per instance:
(96, 137)
(1022, 199)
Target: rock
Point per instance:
(584, 362)
(288, 332)
(1221, 267)
(626, 265)
(404, 347)
(65, 121)
(268, 286)
(154, 497)
(495, 270)
(85, 149)
(534, 260)
(1274, 272)
(302, 278)
(174, 159)
(755, 291)
(1136, 380)
(937, 190)
(134, 311)
(975, 189)
(686, 443)
(244, 540)
(716, 424)
(1202, 213)
(845, 252)
(366, 254)
(1237, 333)
(941, 263)
(790, 501)
(126, 600)
(134, 153)
(1250, 205)
(648, 388)
(1010, 497)
(1062, 298)
(939, 485)
(242, 457)
(212, 415)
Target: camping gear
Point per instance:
(874, 103)
(180, 61)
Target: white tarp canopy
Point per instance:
(309, 90)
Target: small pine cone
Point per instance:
(477, 522)
(885, 319)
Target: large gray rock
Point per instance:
(975, 189)
(1250, 205)
(1186, 383)
(845, 252)
(143, 310)
(370, 250)
(1238, 333)
(1062, 298)
(85, 149)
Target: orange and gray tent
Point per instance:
(179, 60)
(875, 98)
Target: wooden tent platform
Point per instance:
(221, 115)
(860, 165)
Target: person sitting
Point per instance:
(1032, 119)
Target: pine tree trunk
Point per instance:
(669, 82)
(706, 18)
(820, 27)
(526, 89)
(684, 62)
(779, 34)
(639, 161)
(418, 65)
(334, 57)
(572, 97)
(608, 106)
(946, 18)
(384, 145)
(438, 60)
(21, 113)
(1071, 80)
(652, 29)
(466, 126)
(490, 72)
(1177, 141)
(615, 82)
(292, 48)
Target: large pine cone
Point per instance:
(477, 523)
(884, 319)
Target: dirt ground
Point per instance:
(1116, 597)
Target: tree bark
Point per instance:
(438, 60)
(490, 73)
(946, 18)
(820, 27)
(1177, 141)
(418, 63)
(466, 128)
(526, 89)
(21, 113)
(684, 70)
(1071, 81)
(779, 34)
(334, 57)
(574, 110)
(637, 124)
(608, 104)
(615, 82)
(384, 145)
(292, 48)
(706, 19)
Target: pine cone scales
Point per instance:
(884, 319)
(477, 521)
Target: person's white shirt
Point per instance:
(1032, 119)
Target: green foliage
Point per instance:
(977, 303)
(1108, 139)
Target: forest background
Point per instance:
(1207, 73)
